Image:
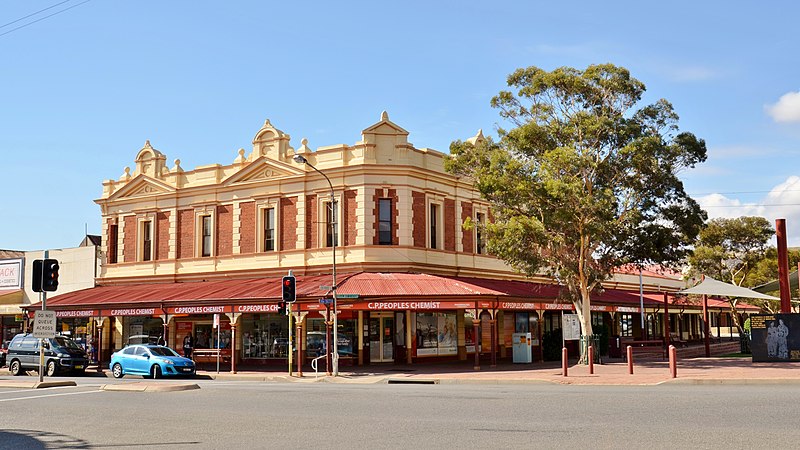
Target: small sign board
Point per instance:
(346, 295)
(44, 326)
(326, 301)
(775, 337)
(571, 327)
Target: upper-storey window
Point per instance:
(434, 225)
(480, 244)
(147, 240)
(113, 241)
(331, 224)
(385, 221)
(206, 242)
(268, 221)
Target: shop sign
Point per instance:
(85, 313)
(11, 274)
(391, 306)
(517, 305)
(627, 309)
(133, 312)
(268, 308)
(602, 308)
(558, 306)
(198, 309)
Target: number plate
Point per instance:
(79, 367)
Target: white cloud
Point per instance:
(782, 202)
(787, 109)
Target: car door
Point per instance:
(140, 360)
(29, 356)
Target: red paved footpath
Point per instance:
(645, 372)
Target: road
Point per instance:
(244, 414)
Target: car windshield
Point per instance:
(163, 351)
(66, 343)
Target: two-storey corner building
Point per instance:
(185, 249)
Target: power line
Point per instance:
(741, 192)
(40, 19)
(31, 15)
(745, 205)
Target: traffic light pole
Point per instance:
(43, 295)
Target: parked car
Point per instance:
(61, 354)
(150, 361)
(3, 351)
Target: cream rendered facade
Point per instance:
(382, 160)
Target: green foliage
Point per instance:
(730, 249)
(584, 182)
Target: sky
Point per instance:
(86, 83)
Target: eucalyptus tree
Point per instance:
(584, 180)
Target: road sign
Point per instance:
(44, 324)
(326, 301)
(324, 287)
(346, 295)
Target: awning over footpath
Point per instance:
(710, 286)
(364, 290)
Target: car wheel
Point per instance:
(116, 370)
(50, 370)
(16, 368)
(155, 372)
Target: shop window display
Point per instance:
(265, 336)
(316, 337)
(436, 334)
(142, 330)
(205, 335)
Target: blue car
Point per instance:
(150, 361)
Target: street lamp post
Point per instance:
(302, 160)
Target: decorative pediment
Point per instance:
(385, 126)
(142, 186)
(261, 169)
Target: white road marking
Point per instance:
(49, 395)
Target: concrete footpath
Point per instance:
(613, 372)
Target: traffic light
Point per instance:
(45, 275)
(289, 284)
(50, 275)
(282, 308)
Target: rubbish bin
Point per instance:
(615, 347)
(744, 343)
(522, 348)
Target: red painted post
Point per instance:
(706, 327)
(564, 362)
(673, 361)
(630, 360)
(783, 266)
(591, 359)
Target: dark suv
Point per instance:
(61, 354)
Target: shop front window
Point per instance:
(436, 334)
(626, 325)
(206, 336)
(265, 336)
(316, 337)
(142, 330)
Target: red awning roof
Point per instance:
(363, 284)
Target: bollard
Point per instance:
(630, 360)
(591, 360)
(673, 361)
(564, 361)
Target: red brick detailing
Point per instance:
(247, 228)
(129, 242)
(349, 216)
(418, 218)
(113, 240)
(390, 194)
(468, 240)
(449, 225)
(288, 223)
(311, 221)
(185, 234)
(162, 235)
(224, 230)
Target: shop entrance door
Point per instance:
(381, 337)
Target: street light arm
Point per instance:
(300, 159)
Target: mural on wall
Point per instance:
(775, 337)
